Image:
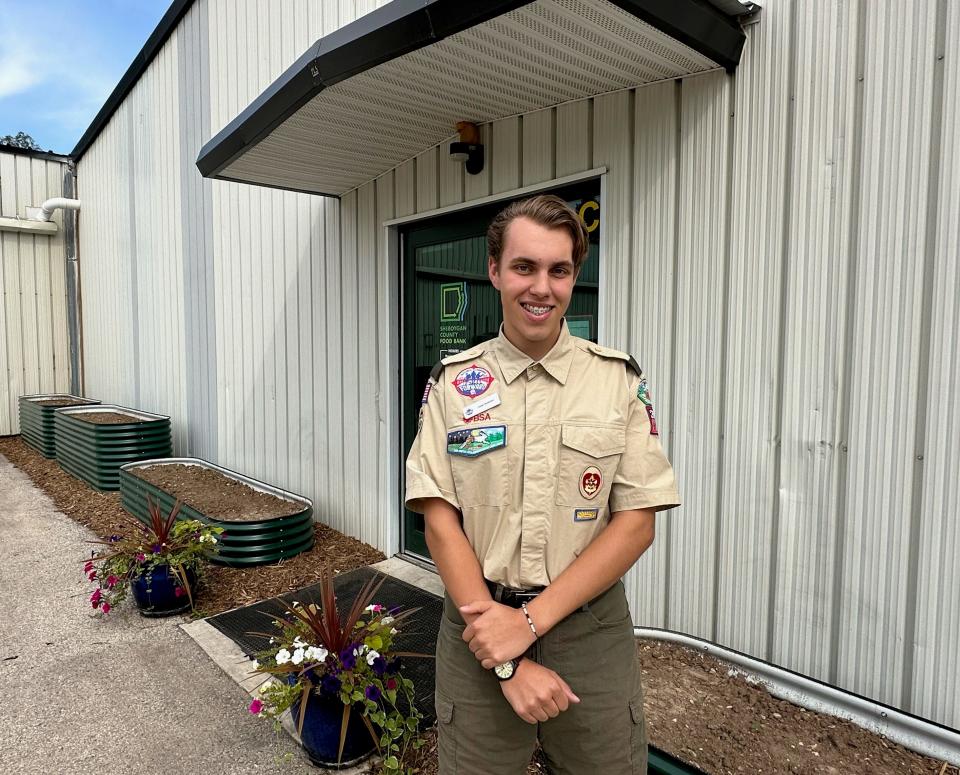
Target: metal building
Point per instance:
(777, 244)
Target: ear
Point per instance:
(493, 272)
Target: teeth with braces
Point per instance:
(536, 310)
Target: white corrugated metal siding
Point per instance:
(780, 253)
(34, 348)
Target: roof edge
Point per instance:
(45, 155)
(159, 36)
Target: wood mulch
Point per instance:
(106, 418)
(695, 708)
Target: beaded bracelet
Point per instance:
(529, 620)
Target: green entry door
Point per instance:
(449, 304)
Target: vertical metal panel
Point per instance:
(539, 147)
(574, 132)
(750, 402)
(450, 175)
(368, 309)
(32, 289)
(705, 107)
(476, 186)
(505, 155)
(654, 229)
(427, 193)
(890, 221)
(352, 305)
(406, 186)
(818, 256)
(936, 665)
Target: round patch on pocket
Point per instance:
(591, 482)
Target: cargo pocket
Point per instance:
(588, 460)
(446, 736)
(638, 736)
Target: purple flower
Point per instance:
(379, 667)
(348, 658)
(156, 548)
(330, 684)
(372, 693)
(393, 666)
(114, 539)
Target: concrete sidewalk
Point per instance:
(120, 695)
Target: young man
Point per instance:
(538, 469)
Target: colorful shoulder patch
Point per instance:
(473, 381)
(643, 393)
(471, 442)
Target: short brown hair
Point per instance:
(547, 210)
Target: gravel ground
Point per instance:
(118, 695)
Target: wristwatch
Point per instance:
(507, 670)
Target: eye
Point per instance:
(561, 271)
(522, 268)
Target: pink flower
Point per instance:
(92, 575)
(95, 597)
(391, 683)
(141, 557)
(105, 607)
(177, 591)
(88, 566)
(255, 707)
(112, 581)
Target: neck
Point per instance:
(533, 350)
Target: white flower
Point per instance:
(298, 643)
(371, 656)
(369, 608)
(213, 539)
(386, 620)
(272, 640)
(265, 687)
(316, 653)
(297, 657)
(283, 656)
(256, 665)
(394, 630)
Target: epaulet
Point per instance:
(465, 355)
(609, 352)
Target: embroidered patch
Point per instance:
(420, 420)
(471, 442)
(479, 417)
(426, 391)
(473, 381)
(653, 421)
(585, 515)
(591, 480)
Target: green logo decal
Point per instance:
(453, 302)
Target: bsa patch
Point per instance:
(471, 442)
(479, 417)
(473, 381)
(585, 515)
(591, 480)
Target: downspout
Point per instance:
(72, 244)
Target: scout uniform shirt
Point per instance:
(536, 455)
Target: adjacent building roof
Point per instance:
(394, 82)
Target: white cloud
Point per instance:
(19, 67)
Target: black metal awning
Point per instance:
(382, 89)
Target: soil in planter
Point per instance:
(106, 418)
(215, 495)
(695, 709)
(60, 402)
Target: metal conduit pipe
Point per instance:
(926, 737)
(45, 213)
(72, 244)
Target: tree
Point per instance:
(20, 140)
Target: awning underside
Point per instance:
(543, 53)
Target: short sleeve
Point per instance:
(645, 478)
(428, 472)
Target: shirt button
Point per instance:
(533, 371)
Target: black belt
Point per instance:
(512, 597)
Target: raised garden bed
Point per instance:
(262, 524)
(92, 442)
(36, 419)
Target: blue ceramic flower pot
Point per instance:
(155, 593)
(320, 736)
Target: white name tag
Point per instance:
(481, 406)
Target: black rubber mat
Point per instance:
(419, 632)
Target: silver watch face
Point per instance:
(505, 670)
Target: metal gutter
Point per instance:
(165, 28)
(403, 26)
(44, 155)
(913, 732)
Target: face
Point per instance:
(535, 278)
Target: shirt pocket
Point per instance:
(588, 460)
(481, 480)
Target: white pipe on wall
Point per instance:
(45, 213)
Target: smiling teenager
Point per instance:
(539, 470)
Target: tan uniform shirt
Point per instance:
(536, 456)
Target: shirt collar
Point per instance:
(556, 362)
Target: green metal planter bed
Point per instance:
(243, 543)
(94, 452)
(36, 420)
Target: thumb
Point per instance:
(476, 607)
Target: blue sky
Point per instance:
(60, 59)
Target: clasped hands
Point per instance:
(499, 633)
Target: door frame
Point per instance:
(394, 333)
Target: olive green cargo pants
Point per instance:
(594, 651)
